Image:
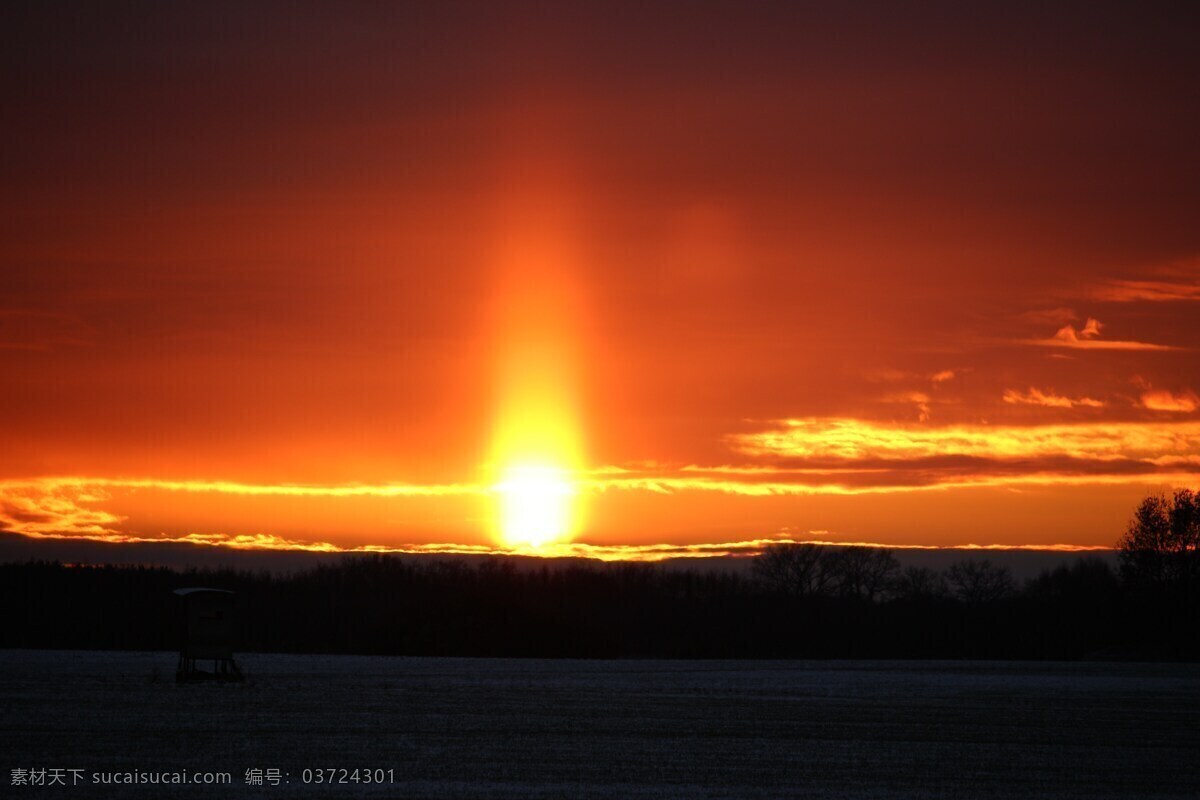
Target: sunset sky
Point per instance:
(699, 275)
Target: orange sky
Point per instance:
(839, 272)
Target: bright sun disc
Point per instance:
(535, 505)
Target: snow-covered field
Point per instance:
(612, 729)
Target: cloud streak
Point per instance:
(1036, 397)
(847, 439)
(253, 489)
(1088, 338)
(920, 400)
(1163, 400)
(1141, 291)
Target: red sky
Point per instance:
(919, 275)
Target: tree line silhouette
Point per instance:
(798, 601)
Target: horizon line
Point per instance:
(654, 552)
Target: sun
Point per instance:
(535, 505)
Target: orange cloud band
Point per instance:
(1037, 397)
(798, 457)
(848, 439)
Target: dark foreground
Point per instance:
(532, 728)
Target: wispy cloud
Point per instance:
(234, 487)
(1177, 281)
(1163, 400)
(1036, 397)
(852, 439)
(1126, 291)
(80, 506)
(914, 478)
(44, 507)
(846, 456)
(889, 375)
(919, 399)
(1088, 338)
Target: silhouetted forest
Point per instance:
(800, 601)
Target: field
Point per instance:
(612, 729)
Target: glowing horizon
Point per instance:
(638, 553)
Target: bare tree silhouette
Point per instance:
(919, 583)
(863, 573)
(979, 581)
(803, 570)
(809, 570)
(1160, 551)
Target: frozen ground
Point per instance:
(611, 729)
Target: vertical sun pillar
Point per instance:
(537, 445)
